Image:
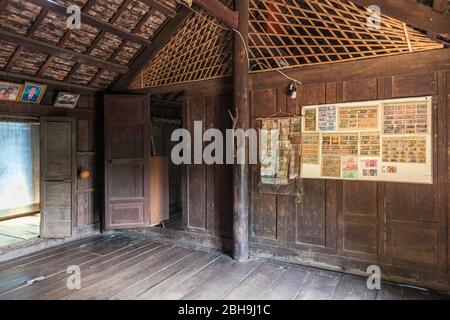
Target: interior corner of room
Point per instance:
(354, 104)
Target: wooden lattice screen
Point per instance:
(283, 34)
(200, 50)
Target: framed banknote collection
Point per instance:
(388, 140)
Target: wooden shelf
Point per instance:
(39, 110)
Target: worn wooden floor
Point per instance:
(19, 229)
(122, 267)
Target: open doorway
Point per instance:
(19, 180)
(166, 117)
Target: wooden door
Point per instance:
(57, 177)
(127, 162)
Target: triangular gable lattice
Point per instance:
(200, 50)
(283, 34)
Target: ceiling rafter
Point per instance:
(159, 41)
(99, 37)
(414, 14)
(93, 21)
(138, 27)
(440, 5)
(36, 45)
(63, 41)
(220, 11)
(3, 4)
(161, 7)
(37, 22)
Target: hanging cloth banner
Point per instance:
(280, 150)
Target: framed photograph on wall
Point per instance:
(10, 91)
(67, 100)
(33, 92)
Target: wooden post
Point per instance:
(241, 172)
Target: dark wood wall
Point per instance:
(344, 225)
(397, 226)
(207, 190)
(89, 145)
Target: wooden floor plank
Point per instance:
(390, 292)
(132, 292)
(106, 286)
(288, 285)
(416, 294)
(320, 286)
(55, 283)
(19, 277)
(196, 280)
(256, 284)
(49, 252)
(104, 270)
(123, 267)
(353, 288)
(172, 283)
(223, 282)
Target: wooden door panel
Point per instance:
(58, 150)
(127, 214)
(127, 162)
(57, 177)
(129, 137)
(126, 181)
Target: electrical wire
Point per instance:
(247, 50)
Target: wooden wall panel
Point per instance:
(87, 113)
(311, 214)
(414, 85)
(360, 90)
(208, 203)
(264, 103)
(391, 224)
(401, 227)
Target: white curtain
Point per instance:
(19, 166)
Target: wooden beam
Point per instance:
(387, 66)
(37, 22)
(220, 11)
(96, 41)
(40, 46)
(161, 7)
(3, 4)
(414, 14)
(159, 41)
(395, 65)
(92, 21)
(440, 5)
(242, 114)
(218, 86)
(56, 83)
(89, 4)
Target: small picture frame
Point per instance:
(10, 91)
(33, 92)
(67, 100)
